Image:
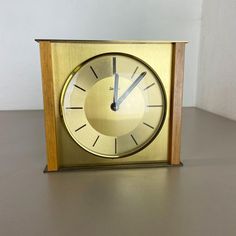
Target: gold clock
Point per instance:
(112, 104)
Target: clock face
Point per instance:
(113, 105)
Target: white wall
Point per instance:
(22, 21)
(217, 61)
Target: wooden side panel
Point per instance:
(49, 108)
(176, 103)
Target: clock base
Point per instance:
(118, 166)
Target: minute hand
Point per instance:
(116, 81)
(131, 87)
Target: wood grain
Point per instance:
(176, 103)
(49, 106)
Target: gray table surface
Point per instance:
(197, 199)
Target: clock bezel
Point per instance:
(155, 133)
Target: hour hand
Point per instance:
(131, 87)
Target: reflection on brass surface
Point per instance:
(66, 57)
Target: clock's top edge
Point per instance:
(109, 41)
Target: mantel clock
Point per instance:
(112, 103)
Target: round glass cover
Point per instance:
(113, 105)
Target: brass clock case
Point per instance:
(74, 139)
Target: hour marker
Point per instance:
(74, 107)
(80, 127)
(134, 72)
(94, 72)
(148, 125)
(96, 140)
(154, 105)
(114, 65)
(115, 145)
(134, 139)
(149, 86)
(79, 88)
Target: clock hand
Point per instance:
(128, 91)
(116, 81)
(115, 94)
